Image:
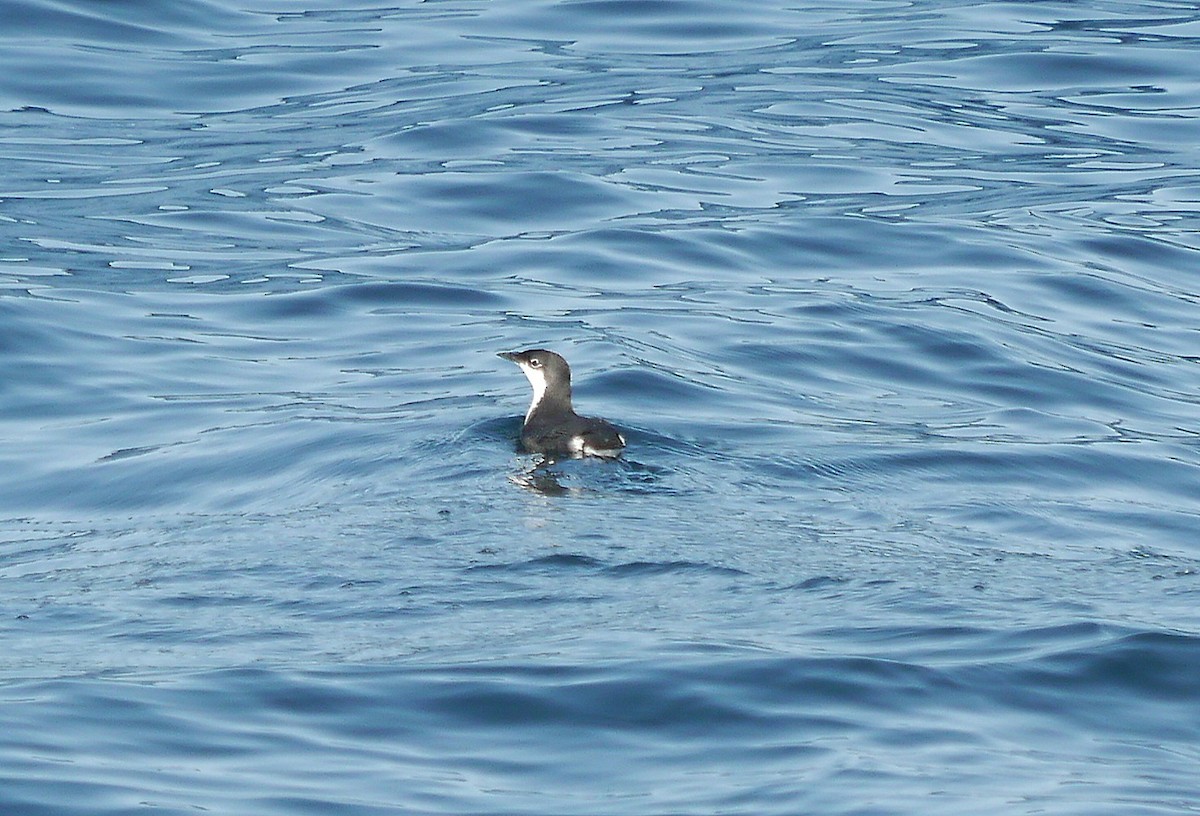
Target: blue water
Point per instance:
(898, 305)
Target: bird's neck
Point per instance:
(548, 402)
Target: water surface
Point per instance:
(895, 303)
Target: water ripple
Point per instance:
(893, 303)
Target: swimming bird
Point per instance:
(551, 425)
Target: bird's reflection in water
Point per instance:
(587, 475)
(541, 478)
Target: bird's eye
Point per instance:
(534, 362)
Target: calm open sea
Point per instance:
(898, 304)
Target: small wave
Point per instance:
(556, 562)
(1146, 665)
(634, 568)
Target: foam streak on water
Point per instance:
(896, 305)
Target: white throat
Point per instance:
(537, 378)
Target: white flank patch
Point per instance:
(579, 446)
